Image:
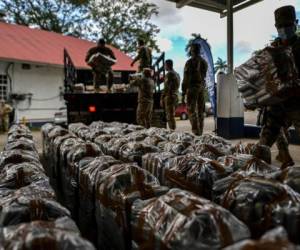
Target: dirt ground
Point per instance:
(250, 117)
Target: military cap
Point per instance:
(285, 15)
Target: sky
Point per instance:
(253, 29)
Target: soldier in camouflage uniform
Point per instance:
(144, 56)
(145, 86)
(5, 110)
(169, 97)
(101, 73)
(287, 113)
(193, 86)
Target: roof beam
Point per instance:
(182, 3)
(205, 7)
(241, 6)
(210, 3)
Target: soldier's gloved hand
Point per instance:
(132, 64)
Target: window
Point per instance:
(3, 87)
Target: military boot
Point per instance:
(285, 158)
(262, 152)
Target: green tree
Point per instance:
(121, 23)
(220, 64)
(62, 16)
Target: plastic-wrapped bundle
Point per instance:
(19, 208)
(56, 177)
(74, 127)
(114, 145)
(22, 174)
(17, 128)
(139, 135)
(155, 163)
(18, 131)
(182, 137)
(261, 203)
(133, 151)
(154, 140)
(265, 80)
(194, 173)
(93, 134)
(21, 144)
(131, 128)
(241, 148)
(275, 239)
(117, 188)
(291, 177)
(113, 130)
(235, 162)
(255, 166)
(45, 129)
(76, 154)
(182, 220)
(175, 148)
(88, 175)
(65, 148)
(61, 234)
(211, 151)
(97, 125)
(17, 156)
(211, 139)
(162, 132)
(103, 140)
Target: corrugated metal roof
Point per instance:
(23, 44)
(218, 6)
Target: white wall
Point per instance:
(3, 66)
(43, 82)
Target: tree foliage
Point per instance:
(62, 16)
(221, 64)
(121, 23)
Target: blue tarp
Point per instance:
(210, 76)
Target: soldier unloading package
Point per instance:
(145, 97)
(144, 56)
(101, 58)
(271, 79)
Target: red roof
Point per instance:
(23, 44)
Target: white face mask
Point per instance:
(286, 33)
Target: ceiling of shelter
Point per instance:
(218, 6)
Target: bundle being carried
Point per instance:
(269, 77)
(101, 59)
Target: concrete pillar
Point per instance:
(230, 111)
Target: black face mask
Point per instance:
(286, 33)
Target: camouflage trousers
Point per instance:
(5, 123)
(196, 108)
(101, 78)
(144, 114)
(170, 103)
(277, 118)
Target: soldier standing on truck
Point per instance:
(193, 86)
(169, 97)
(288, 112)
(144, 56)
(101, 73)
(5, 110)
(145, 86)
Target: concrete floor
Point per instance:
(250, 117)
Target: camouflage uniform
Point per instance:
(170, 96)
(5, 110)
(101, 74)
(193, 85)
(145, 58)
(145, 100)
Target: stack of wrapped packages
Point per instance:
(30, 216)
(128, 187)
(269, 77)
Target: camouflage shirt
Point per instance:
(194, 73)
(171, 84)
(145, 89)
(144, 56)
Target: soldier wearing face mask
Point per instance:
(288, 112)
